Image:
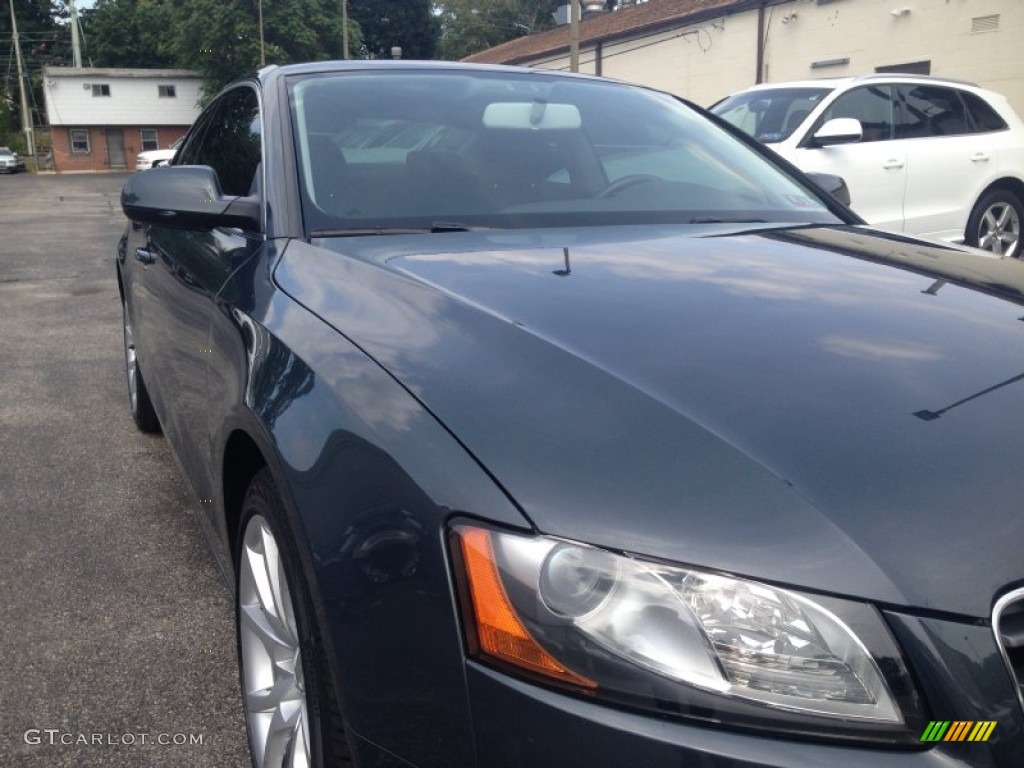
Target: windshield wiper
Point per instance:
(367, 231)
(437, 226)
(454, 226)
(716, 220)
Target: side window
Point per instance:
(232, 144)
(228, 140)
(189, 152)
(871, 105)
(929, 110)
(983, 117)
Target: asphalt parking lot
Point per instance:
(116, 631)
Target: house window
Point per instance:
(150, 139)
(166, 91)
(101, 90)
(79, 141)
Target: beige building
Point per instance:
(706, 49)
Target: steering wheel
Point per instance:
(625, 182)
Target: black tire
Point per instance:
(995, 223)
(139, 404)
(324, 735)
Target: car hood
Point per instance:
(828, 408)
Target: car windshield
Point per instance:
(444, 150)
(770, 115)
(5, 151)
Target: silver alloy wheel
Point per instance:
(999, 229)
(271, 658)
(131, 363)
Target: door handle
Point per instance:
(146, 257)
(979, 157)
(893, 164)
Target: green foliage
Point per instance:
(35, 17)
(128, 33)
(220, 38)
(42, 33)
(469, 26)
(217, 38)
(410, 24)
(8, 121)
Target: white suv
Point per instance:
(921, 155)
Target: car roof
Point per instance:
(273, 72)
(888, 77)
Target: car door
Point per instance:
(187, 270)
(948, 165)
(875, 168)
(141, 250)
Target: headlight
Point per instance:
(683, 642)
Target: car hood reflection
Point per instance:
(744, 401)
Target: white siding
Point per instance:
(708, 61)
(132, 100)
(869, 34)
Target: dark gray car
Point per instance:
(539, 420)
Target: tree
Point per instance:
(469, 26)
(409, 24)
(129, 33)
(9, 126)
(218, 38)
(44, 40)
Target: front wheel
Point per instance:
(139, 403)
(291, 712)
(995, 222)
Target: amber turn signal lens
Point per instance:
(499, 631)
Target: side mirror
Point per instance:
(832, 185)
(838, 130)
(186, 197)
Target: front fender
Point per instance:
(369, 478)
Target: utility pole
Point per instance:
(344, 29)
(574, 35)
(26, 116)
(76, 46)
(263, 53)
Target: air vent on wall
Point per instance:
(985, 23)
(87, 86)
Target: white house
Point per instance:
(100, 119)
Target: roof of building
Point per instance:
(627, 21)
(117, 72)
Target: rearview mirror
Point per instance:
(186, 197)
(536, 116)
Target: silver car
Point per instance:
(9, 162)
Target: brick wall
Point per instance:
(97, 158)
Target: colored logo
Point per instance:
(958, 730)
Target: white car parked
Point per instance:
(922, 155)
(9, 162)
(154, 157)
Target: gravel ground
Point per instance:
(115, 629)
